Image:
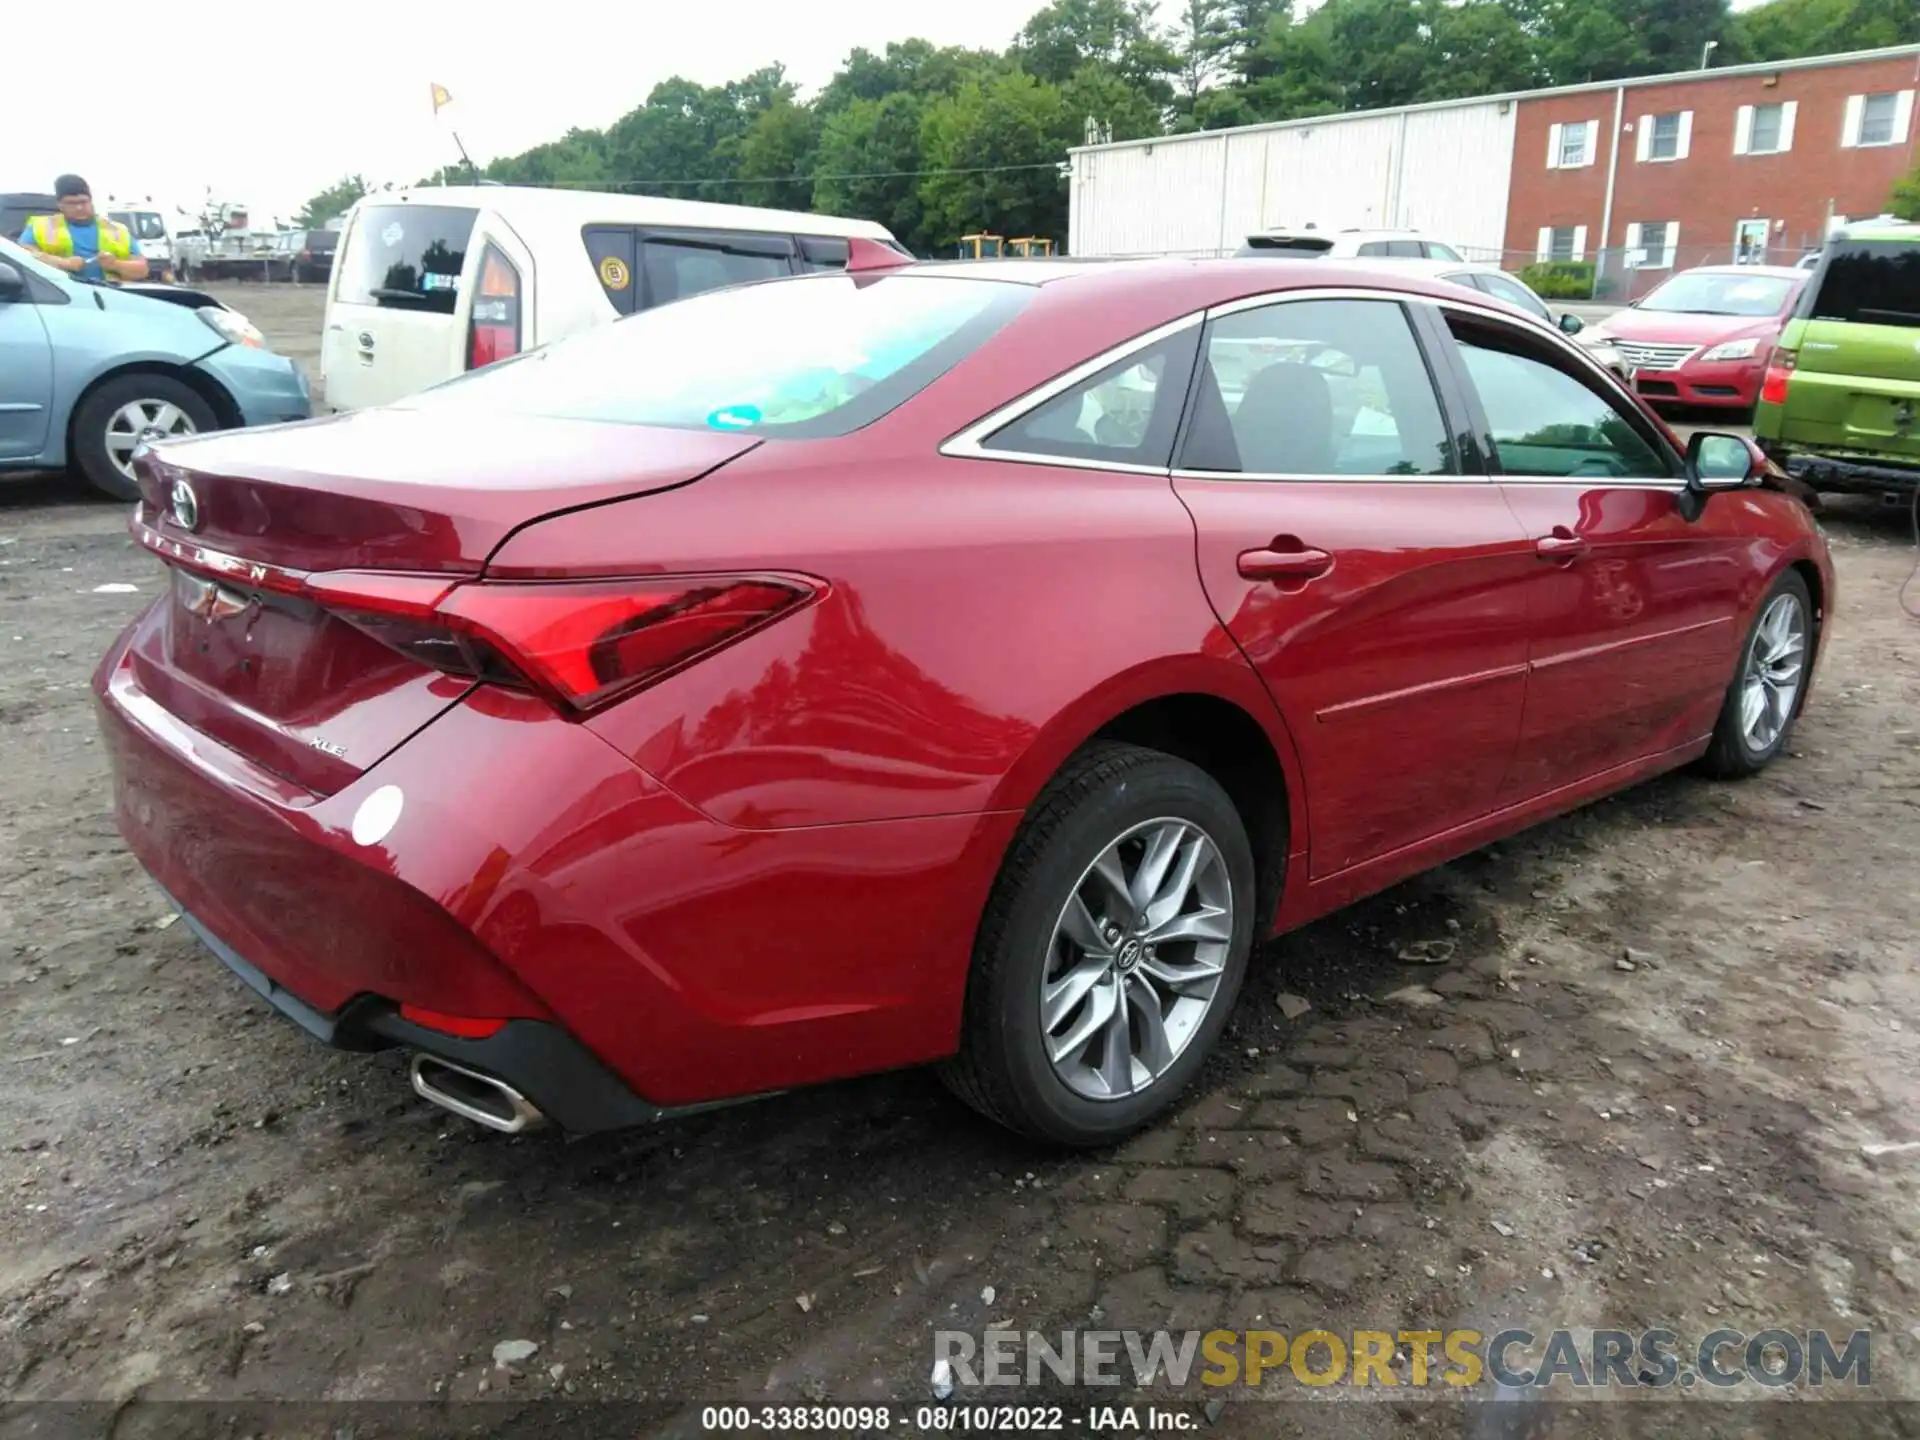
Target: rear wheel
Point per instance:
(111, 421)
(1111, 952)
(1764, 699)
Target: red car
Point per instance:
(960, 663)
(1703, 337)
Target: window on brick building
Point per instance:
(1654, 241)
(1664, 137)
(1570, 146)
(1878, 119)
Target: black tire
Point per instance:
(89, 454)
(1002, 1069)
(1733, 755)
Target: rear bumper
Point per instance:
(1844, 473)
(267, 388)
(539, 1059)
(535, 874)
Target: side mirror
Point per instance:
(12, 283)
(1571, 324)
(1722, 462)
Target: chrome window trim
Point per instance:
(967, 444)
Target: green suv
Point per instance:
(1840, 405)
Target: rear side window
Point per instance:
(1125, 414)
(822, 252)
(1871, 282)
(821, 356)
(1316, 387)
(680, 265)
(406, 257)
(1395, 249)
(610, 248)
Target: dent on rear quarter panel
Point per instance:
(972, 607)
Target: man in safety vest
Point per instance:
(82, 243)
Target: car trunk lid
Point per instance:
(254, 647)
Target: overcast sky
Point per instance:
(270, 104)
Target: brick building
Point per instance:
(1640, 177)
(1753, 161)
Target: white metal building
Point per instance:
(1442, 168)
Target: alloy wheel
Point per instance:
(1136, 959)
(1776, 660)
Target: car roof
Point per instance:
(1182, 285)
(582, 207)
(1880, 230)
(1765, 272)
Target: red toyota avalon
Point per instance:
(1704, 337)
(925, 663)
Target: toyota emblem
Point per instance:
(185, 505)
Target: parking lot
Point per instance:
(1650, 1083)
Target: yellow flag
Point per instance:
(440, 98)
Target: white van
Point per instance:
(434, 281)
(148, 225)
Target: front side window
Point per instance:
(1125, 415)
(1543, 420)
(1434, 250)
(677, 266)
(816, 356)
(1316, 387)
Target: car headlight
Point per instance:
(1732, 350)
(232, 327)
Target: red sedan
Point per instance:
(958, 663)
(1703, 337)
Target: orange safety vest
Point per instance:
(52, 237)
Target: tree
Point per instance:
(1202, 40)
(1481, 49)
(1059, 41)
(866, 162)
(777, 147)
(1788, 28)
(1905, 200)
(321, 209)
(908, 67)
(997, 149)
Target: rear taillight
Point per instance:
(493, 333)
(1773, 389)
(580, 643)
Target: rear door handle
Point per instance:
(1302, 563)
(1562, 544)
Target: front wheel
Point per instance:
(1764, 699)
(1111, 951)
(111, 421)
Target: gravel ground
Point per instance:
(199, 1202)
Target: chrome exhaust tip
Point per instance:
(474, 1095)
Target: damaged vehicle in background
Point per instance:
(87, 372)
(929, 663)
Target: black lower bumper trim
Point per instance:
(568, 1083)
(1825, 472)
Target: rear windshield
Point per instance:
(406, 257)
(802, 357)
(1874, 282)
(1719, 294)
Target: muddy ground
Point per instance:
(200, 1202)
